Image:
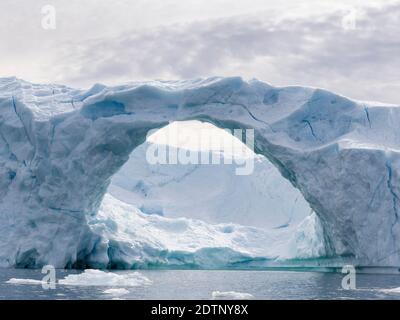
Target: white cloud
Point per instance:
(293, 42)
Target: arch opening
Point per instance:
(192, 204)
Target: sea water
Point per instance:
(200, 284)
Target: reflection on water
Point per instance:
(197, 284)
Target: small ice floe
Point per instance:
(118, 292)
(94, 278)
(393, 290)
(231, 295)
(107, 279)
(25, 281)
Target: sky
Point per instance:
(351, 47)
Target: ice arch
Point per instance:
(60, 147)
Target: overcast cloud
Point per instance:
(351, 47)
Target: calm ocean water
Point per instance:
(195, 284)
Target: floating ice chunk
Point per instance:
(117, 292)
(25, 281)
(231, 295)
(101, 278)
(95, 278)
(393, 290)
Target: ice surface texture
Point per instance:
(59, 148)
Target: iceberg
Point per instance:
(61, 147)
(133, 238)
